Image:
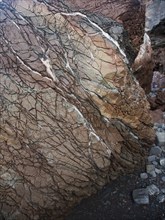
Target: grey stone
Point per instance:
(152, 158)
(159, 125)
(143, 175)
(156, 150)
(153, 190)
(162, 162)
(158, 171)
(155, 163)
(150, 168)
(161, 198)
(161, 138)
(160, 129)
(163, 190)
(163, 178)
(140, 196)
(153, 174)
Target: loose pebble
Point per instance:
(161, 198)
(150, 168)
(140, 196)
(152, 158)
(158, 171)
(156, 150)
(155, 163)
(163, 178)
(162, 162)
(143, 175)
(153, 190)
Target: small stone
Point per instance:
(155, 163)
(152, 158)
(140, 196)
(158, 171)
(163, 190)
(150, 168)
(163, 178)
(161, 137)
(153, 174)
(143, 175)
(159, 126)
(152, 190)
(156, 150)
(161, 198)
(162, 162)
(163, 126)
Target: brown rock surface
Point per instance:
(131, 13)
(72, 116)
(157, 101)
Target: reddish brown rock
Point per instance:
(157, 101)
(72, 116)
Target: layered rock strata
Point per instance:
(73, 117)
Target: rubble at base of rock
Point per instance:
(155, 167)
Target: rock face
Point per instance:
(154, 14)
(130, 13)
(143, 64)
(72, 116)
(152, 50)
(155, 25)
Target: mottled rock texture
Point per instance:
(72, 115)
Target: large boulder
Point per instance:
(73, 117)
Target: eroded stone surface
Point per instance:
(73, 116)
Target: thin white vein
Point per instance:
(106, 35)
(15, 24)
(49, 68)
(68, 65)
